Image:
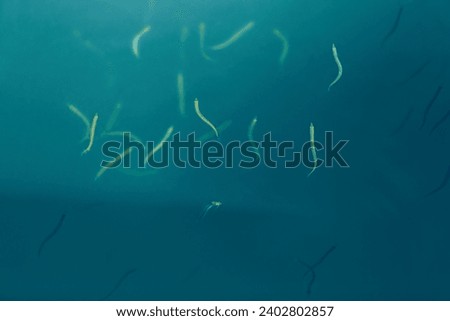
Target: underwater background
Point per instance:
(377, 230)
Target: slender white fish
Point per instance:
(203, 118)
(212, 134)
(121, 156)
(92, 134)
(83, 118)
(202, 32)
(313, 148)
(213, 204)
(137, 38)
(158, 147)
(121, 134)
(181, 99)
(113, 118)
(251, 129)
(339, 65)
(234, 37)
(284, 43)
(110, 164)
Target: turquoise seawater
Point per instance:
(366, 232)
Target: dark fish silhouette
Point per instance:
(311, 268)
(119, 283)
(442, 185)
(313, 276)
(394, 26)
(52, 234)
(430, 104)
(403, 123)
(323, 257)
(440, 122)
(417, 72)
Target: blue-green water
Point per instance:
(142, 237)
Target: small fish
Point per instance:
(440, 122)
(394, 26)
(159, 146)
(403, 123)
(213, 205)
(203, 118)
(313, 148)
(417, 72)
(52, 234)
(323, 257)
(339, 65)
(119, 283)
(113, 118)
(311, 268)
(91, 135)
(112, 163)
(251, 129)
(202, 33)
(137, 38)
(181, 99)
(234, 37)
(442, 185)
(284, 43)
(313, 276)
(430, 104)
(212, 134)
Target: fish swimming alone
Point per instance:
(416, 73)
(440, 122)
(251, 129)
(313, 148)
(52, 233)
(430, 104)
(119, 283)
(442, 185)
(137, 38)
(91, 135)
(181, 99)
(394, 26)
(234, 37)
(213, 205)
(203, 118)
(284, 44)
(404, 122)
(202, 32)
(339, 65)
